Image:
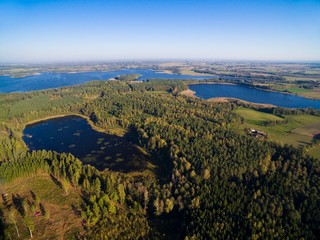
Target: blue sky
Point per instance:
(65, 30)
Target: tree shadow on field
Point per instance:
(316, 138)
(33, 195)
(76, 210)
(17, 202)
(56, 181)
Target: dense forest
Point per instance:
(211, 180)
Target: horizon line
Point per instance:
(156, 60)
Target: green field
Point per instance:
(299, 131)
(297, 90)
(309, 93)
(313, 93)
(309, 129)
(255, 117)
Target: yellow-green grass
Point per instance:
(317, 72)
(315, 151)
(189, 71)
(312, 93)
(294, 89)
(255, 117)
(62, 218)
(296, 78)
(309, 129)
(309, 93)
(297, 90)
(299, 131)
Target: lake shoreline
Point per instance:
(223, 99)
(275, 91)
(57, 79)
(192, 93)
(212, 83)
(188, 93)
(94, 127)
(255, 87)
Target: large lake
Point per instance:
(73, 134)
(253, 95)
(55, 80)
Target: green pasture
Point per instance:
(298, 131)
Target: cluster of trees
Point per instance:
(216, 183)
(273, 122)
(307, 84)
(128, 77)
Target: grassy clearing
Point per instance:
(308, 130)
(313, 93)
(309, 93)
(61, 218)
(315, 151)
(296, 78)
(255, 117)
(297, 90)
(299, 131)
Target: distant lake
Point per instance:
(73, 134)
(54, 80)
(253, 95)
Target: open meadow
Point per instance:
(297, 130)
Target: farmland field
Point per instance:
(256, 117)
(308, 130)
(300, 130)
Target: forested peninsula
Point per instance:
(199, 176)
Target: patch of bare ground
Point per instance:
(218, 99)
(172, 64)
(188, 93)
(258, 105)
(53, 213)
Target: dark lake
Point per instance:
(55, 80)
(253, 95)
(73, 134)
